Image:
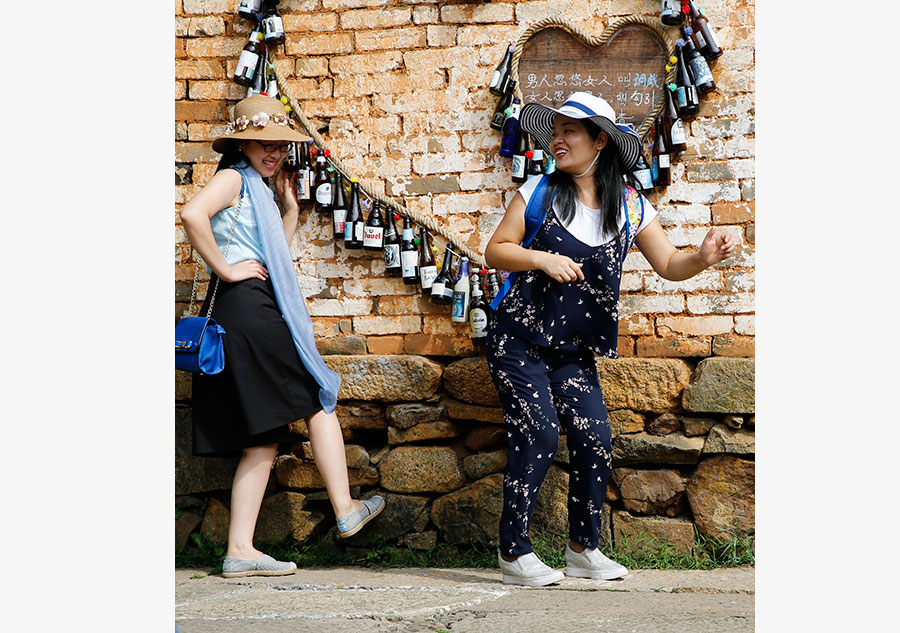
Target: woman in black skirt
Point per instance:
(273, 373)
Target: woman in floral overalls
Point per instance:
(561, 311)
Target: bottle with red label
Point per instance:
(373, 233)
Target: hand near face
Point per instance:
(285, 187)
(716, 246)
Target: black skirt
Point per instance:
(264, 386)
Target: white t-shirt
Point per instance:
(587, 224)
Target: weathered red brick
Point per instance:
(392, 344)
(733, 212)
(439, 345)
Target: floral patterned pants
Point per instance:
(542, 390)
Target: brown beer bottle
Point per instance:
(427, 264)
(249, 59)
(339, 210)
(304, 174)
(703, 34)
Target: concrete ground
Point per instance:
(356, 600)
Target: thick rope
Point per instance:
(428, 222)
(611, 29)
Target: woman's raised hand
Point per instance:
(247, 269)
(716, 246)
(287, 192)
(561, 268)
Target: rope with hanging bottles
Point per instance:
(687, 77)
(390, 203)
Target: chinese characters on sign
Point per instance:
(628, 71)
(630, 88)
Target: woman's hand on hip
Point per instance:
(247, 269)
(286, 190)
(561, 268)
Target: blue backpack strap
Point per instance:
(632, 220)
(534, 217)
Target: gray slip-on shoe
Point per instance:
(265, 565)
(528, 570)
(591, 563)
(350, 524)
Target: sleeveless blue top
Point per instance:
(246, 243)
(570, 316)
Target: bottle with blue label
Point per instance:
(511, 130)
(249, 8)
(460, 313)
(643, 174)
(670, 14)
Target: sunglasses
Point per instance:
(273, 148)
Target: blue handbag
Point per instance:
(199, 347)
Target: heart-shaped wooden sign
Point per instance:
(625, 66)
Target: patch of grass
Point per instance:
(202, 554)
(644, 553)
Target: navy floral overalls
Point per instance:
(540, 351)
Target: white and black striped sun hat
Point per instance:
(537, 120)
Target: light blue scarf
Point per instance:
(284, 279)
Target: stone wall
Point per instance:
(429, 437)
(399, 88)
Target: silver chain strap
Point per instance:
(212, 300)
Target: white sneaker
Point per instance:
(528, 570)
(592, 564)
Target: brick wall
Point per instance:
(402, 87)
